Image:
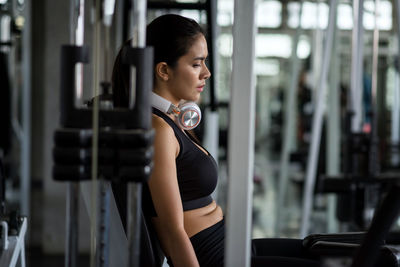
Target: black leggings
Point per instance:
(281, 252)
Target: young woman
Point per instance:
(188, 222)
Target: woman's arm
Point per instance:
(163, 185)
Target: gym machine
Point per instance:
(362, 183)
(104, 144)
(15, 133)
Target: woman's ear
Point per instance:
(162, 71)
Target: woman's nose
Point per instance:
(206, 73)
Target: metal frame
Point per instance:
(15, 254)
(308, 193)
(211, 135)
(241, 137)
(357, 65)
(333, 131)
(289, 127)
(395, 137)
(26, 113)
(73, 188)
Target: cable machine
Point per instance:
(103, 144)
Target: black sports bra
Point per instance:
(196, 171)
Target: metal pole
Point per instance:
(211, 136)
(373, 155)
(95, 128)
(241, 137)
(103, 210)
(138, 30)
(26, 112)
(72, 201)
(333, 131)
(395, 131)
(78, 39)
(397, 10)
(103, 243)
(318, 39)
(212, 28)
(357, 65)
(71, 248)
(313, 152)
(288, 127)
(396, 103)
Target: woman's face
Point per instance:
(188, 77)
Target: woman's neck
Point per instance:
(165, 93)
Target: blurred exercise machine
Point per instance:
(102, 144)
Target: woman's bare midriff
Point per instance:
(195, 220)
(199, 219)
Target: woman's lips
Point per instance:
(200, 88)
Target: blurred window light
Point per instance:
(317, 15)
(5, 29)
(266, 67)
(303, 47)
(269, 14)
(225, 12)
(225, 42)
(2, 2)
(187, 1)
(313, 15)
(384, 15)
(273, 45)
(199, 16)
(293, 18)
(345, 17)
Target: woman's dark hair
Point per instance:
(171, 36)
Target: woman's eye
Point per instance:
(196, 65)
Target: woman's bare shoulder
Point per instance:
(164, 135)
(161, 126)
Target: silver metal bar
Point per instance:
(395, 126)
(73, 19)
(357, 65)
(25, 158)
(211, 135)
(313, 152)
(241, 137)
(373, 157)
(108, 13)
(333, 131)
(103, 210)
(395, 138)
(288, 127)
(72, 215)
(138, 30)
(318, 40)
(118, 240)
(134, 217)
(103, 243)
(397, 10)
(95, 127)
(15, 254)
(78, 39)
(72, 201)
(119, 38)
